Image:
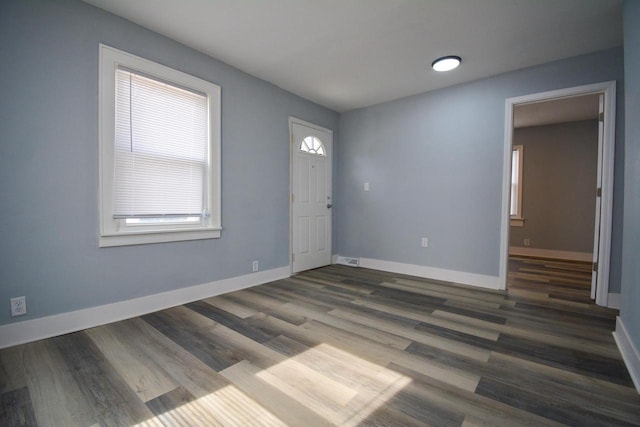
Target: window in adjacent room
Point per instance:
(516, 186)
(159, 153)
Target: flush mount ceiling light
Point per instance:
(446, 63)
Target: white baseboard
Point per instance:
(479, 280)
(629, 352)
(614, 300)
(550, 253)
(58, 324)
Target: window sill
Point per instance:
(516, 222)
(162, 237)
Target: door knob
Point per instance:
(329, 205)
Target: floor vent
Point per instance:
(343, 260)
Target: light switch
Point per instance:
(366, 186)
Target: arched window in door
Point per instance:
(313, 145)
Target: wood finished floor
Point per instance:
(333, 346)
(550, 279)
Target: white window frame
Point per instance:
(117, 232)
(517, 219)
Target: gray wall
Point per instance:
(559, 186)
(49, 165)
(629, 311)
(435, 164)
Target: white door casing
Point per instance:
(596, 233)
(605, 174)
(311, 202)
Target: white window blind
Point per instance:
(161, 143)
(516, 182)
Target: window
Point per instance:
(159, 153)
(516, 186)
(313, 145)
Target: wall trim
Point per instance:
(478, 280)
(630, 353)
(63, 323)
(551, 253)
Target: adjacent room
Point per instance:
(319, 212)
(554, 198)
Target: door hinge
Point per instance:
(601, 117)
(291, 138)
(293, 198)
(293, 257)
(595, 267)
(599, 192)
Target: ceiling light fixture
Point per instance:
(446, 63)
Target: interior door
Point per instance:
(596, 234)
(311, 149)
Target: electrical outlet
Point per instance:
(366, 186)
(425, 242)
(527, 242)
(18, 306)
(255, 266)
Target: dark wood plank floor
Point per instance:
(334, 346)
(550, 279)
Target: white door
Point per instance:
(596, 234)
(311, 149)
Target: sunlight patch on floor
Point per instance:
(348, 388)
(341, 388)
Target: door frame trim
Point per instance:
(292, 120)
(606, 163)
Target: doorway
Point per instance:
(605, 94)
(311, 203)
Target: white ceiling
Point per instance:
(573, 109)
(346, 54)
